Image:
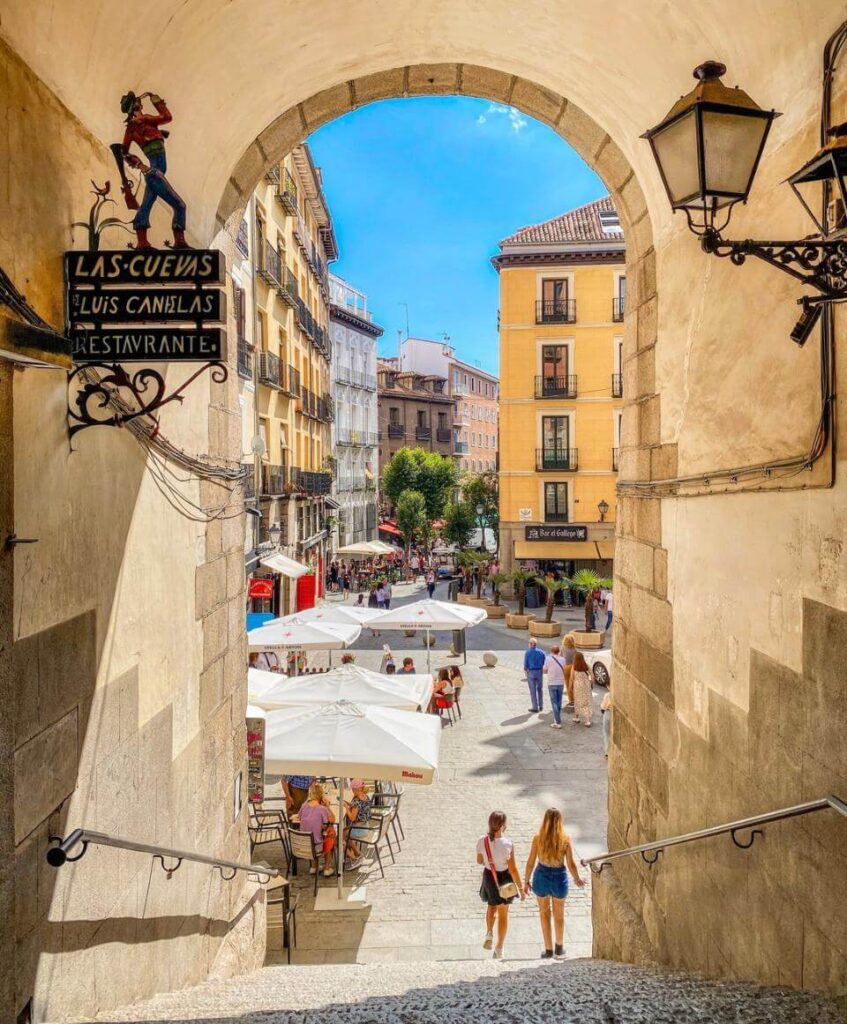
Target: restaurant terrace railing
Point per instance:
(555, 387)
(557, 459)
(555, 311)
(650, 852)
(79, 837)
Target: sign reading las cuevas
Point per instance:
(148, 305)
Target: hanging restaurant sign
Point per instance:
(148, 344)
(145, 267)
(140, 305)
(256, 759)
(556, 533)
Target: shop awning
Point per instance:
(556, 549)
(331, 502)
(390, 529)
(286, 566)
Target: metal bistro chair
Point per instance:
(376, 835)
(445, 702)
(277, 895)
(268, 825)
(457, 699)
(385, 795)
(390, 808)
(303, 848)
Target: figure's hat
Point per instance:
(128, 102)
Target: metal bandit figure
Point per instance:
(145, 131)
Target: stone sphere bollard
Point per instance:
(489, 659)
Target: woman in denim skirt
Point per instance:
(551, 855)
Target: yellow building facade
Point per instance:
(562, 302)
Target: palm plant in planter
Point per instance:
(497, 578)
(586, 581)
(521, 578)
(553, 587)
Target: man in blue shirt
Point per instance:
(533, 666)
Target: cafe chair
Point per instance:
(376, 835)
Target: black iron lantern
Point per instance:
(603, 508)
(708, 148)
(829, 164)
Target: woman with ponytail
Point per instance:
(552, 849)
(501, 881)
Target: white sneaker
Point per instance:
(313, 870)
(498, 953)
(488, 941)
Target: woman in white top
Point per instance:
(555, 666)
(497, 855)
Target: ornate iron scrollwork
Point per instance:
(120, 395)
(820, 264)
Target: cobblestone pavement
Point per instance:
(498, 756)
(577, 992)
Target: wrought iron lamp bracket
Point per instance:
(817, 263)
(745, 846)
(119, 395)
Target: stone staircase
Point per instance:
(487, 992)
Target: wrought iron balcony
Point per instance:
(273, 480)
(443, 434)
(423, 433)
(270, 267)
(617, 385)
(242, 243)
(555, 311)
(555, 517)
(369, 381)
(616, 456)
(555, 387)
(343, 374)
(313, 483)
(460, 448)
(245, 359)
(618, 310)
(293, 388)
(272, 175)
(561, 459)
(269, 370)
(287, 288)
(287, 193)
(396, 430)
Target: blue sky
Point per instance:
(421, 191)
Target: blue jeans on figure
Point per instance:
(535, 681)
(157, 186)
(556, 702)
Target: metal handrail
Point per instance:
(58, 855)
(742, 825)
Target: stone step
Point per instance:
(571, 992)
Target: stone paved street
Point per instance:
(497, 756)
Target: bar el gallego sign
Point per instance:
(150, 306)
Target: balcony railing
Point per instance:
(423, 433)
(396, 430)
(555, 311)
(460, 448)
(287, 193)
(272, 175)
(443, 434)
(270, 268)
(310, 482)
(245, 360)
(618, 310)
(242, 243)
(273, 480)
(287, 288)
(293, 388)
(617, 385)
(556, 458)
(555, 517)
(248, 482)
(270, 370)
(555, 387)
(343, 374)
(616, 458)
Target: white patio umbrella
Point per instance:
(331, 613)
(430, 616)
(259, 681)
(379, 547)
(351, 683)
(349, 740)
(362, 548)
(296, 635)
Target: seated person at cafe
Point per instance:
(316, 817)
(296, 790)
(408, 668)
(358, 811)
(441, 687)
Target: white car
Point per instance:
(600, 663)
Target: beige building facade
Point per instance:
(731, 587)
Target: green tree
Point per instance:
(436, 479)
(459, 523)
(553, 587)
(411, 516)
(401, 474)
(480, 491)
(521, 578)
(586, 581)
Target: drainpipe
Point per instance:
(257, 458)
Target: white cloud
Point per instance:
(517, 122)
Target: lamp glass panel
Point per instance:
(731, 144)
(676, 152)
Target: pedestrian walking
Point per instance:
(373, 599)
(430, 583)
(533, 666)
(388, 593)
(606, 711)
(550, 858)
(387, 658)
(555, 667)
(347, 583)
(501, 881)
(381, 596)
(568, 653)
(583, 706)
(610, 607)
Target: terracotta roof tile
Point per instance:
(580, 225)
